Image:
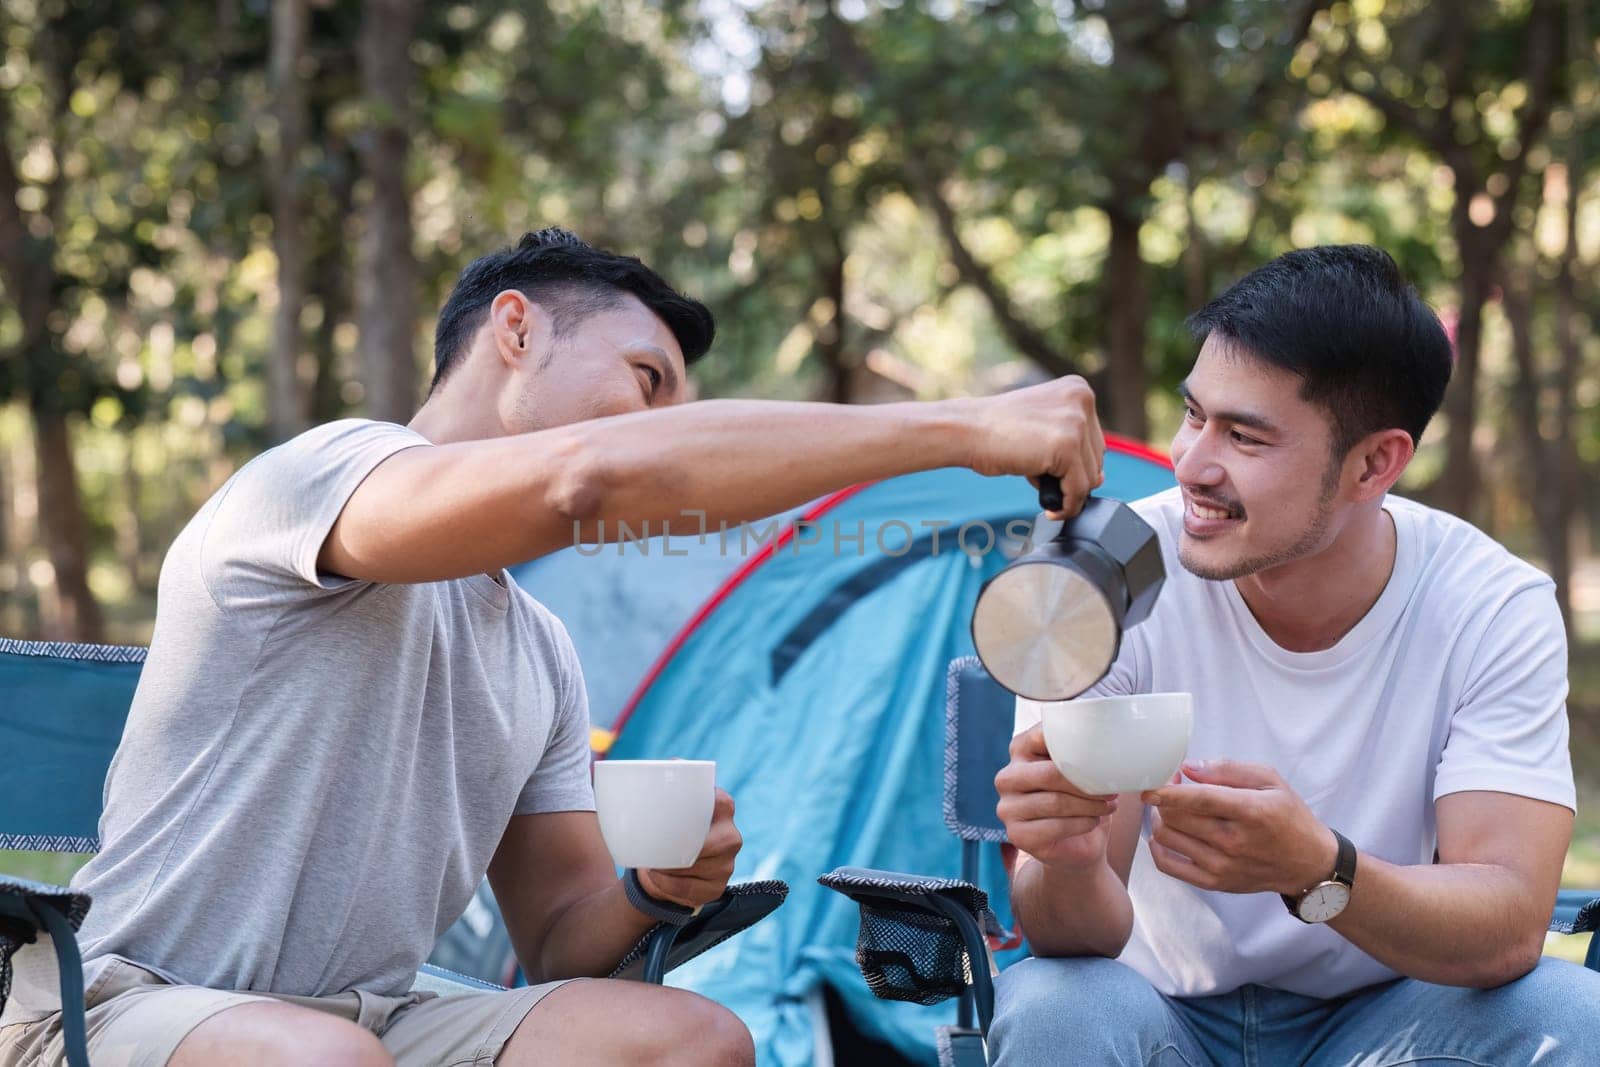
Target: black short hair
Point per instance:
(572, 280)
(1343, 318)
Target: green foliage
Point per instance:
(784, 161)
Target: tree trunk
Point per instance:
(1127, 303)
(327, 391)
(7, 537)
(1549, 509)
(1481, 247)
(829, 335)
(27, 263)
(129, 524)
(1196, 271)
(1564, 455)
(332, 281)
(1457, 488)
(61, 519)
(286, 396)
(387, 276)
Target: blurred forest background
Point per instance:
(222, 222)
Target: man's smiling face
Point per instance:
(1255, 463)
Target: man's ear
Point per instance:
(1377, 461)
(519, 327)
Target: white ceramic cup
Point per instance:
(1119, 744)
(655, 813)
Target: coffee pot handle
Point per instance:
(1050, 498)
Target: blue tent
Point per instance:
(623, 603)
(814, 676)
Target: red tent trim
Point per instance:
(1114, 443)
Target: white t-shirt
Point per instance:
(1455, 680)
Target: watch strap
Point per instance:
(660, 910)
(1344, 868)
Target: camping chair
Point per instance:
(928, 939)
(62, 708)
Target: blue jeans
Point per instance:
(1098, 1011)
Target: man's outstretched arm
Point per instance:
(432, 513)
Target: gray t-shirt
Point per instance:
(316, 771)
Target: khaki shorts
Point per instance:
(137, 1019)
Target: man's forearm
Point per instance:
(426, 514)
(588, 939)
(1452, 924)
(470, 506)
(702, 461)
(1075, 912)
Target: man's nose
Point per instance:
(1197, 465)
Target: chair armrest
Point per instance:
(27, 909)
(921, 938)
(665, 947)
(864, 883)
(1577, 912)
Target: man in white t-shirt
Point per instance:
(1358, 860)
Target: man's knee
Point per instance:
(1063, 991)
(629, 1022)
(279, 1033)
(1557, 998)
(1544, 1017)
(1045, 1004)
(704, 1032)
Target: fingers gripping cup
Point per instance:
(1119, 744)
(655, 814)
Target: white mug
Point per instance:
(1116, 744)
(655, 813)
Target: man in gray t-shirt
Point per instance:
(350, 713)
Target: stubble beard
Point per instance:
(1309, 540)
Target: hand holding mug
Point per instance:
(668, 821)
(1044, 814)
(1238, 827)
(705, 879)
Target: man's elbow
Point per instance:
(1048, 944)
(580, 485)
(1073, 950)
(1518, 959)
(1078, 948)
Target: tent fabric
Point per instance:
(623, 603)
(816, 678)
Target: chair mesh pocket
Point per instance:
(911, 954)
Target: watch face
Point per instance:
(1324, 902)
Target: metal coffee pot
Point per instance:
(1049, 625)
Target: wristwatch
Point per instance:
(1327, 898)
